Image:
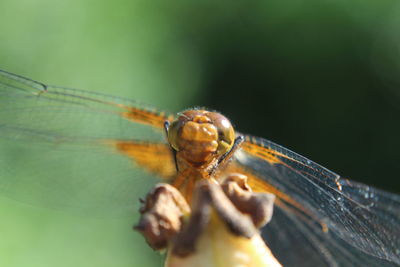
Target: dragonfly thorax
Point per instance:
(200, 137)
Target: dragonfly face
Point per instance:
(104, 145)
(202, 142)
(200, 137)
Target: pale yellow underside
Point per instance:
(217, 247)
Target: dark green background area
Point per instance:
(319, 77)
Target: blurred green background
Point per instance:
(319, 77)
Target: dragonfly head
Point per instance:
(199, 136)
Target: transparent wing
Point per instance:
(299, 242)
(38, 112)
(338, 218)
(66, 140)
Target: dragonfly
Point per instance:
(93, 152)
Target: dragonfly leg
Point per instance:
(166, 128)
(225, 157)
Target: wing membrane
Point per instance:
(67, 140)
(299, 242)
(363, 218)
(34, 111)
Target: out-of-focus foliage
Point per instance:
(320, 77)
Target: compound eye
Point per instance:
(226, 133)
(226, 138)
(173, 134)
